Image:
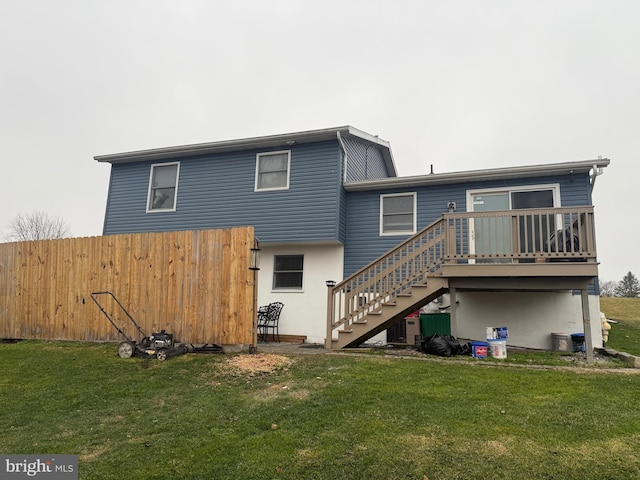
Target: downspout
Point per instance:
(344, 151)
(595, 172)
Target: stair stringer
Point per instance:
(390, 313)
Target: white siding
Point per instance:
(305, 311)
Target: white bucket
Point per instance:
(497, 348)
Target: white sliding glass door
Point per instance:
(494, 235)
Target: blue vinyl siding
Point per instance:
(218, 191)
(364, 161)
(364, 243)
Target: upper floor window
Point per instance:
(163, 187)
(287, 272)
(272, 170)
(398, 214)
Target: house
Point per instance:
(326, 204)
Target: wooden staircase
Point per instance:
(390, 313)
(388, 289)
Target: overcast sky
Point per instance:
(458, 84)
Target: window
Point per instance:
(163, 187)
(398, 214)
(272, 171)
(287, 272)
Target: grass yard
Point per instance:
(624, 335)
(322, 416)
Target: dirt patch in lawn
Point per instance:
(254, 364)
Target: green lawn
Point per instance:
(624, 336)
(323, 416)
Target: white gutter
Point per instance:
(481, 175)
(309, 136)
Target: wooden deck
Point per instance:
(547, 249)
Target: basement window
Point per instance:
(163, 187)
(287, 272)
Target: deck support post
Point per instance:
(452, 311)
(586, 322)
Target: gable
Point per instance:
(364, 161)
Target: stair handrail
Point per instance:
(390, 274)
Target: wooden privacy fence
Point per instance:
(195, 284)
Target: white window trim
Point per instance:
(175, 197)
(555, 187)
(273, 274)
(265, 154)
(415, 214)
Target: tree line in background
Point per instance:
(628, 287)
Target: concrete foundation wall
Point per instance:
(531, 317)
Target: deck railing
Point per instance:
(521, 236)
(511, 236)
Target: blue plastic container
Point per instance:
(479, 349)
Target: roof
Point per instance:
(593, 167)
(286, 139)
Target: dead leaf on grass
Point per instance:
(112, 419)
(90, 454)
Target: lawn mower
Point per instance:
(158, 345)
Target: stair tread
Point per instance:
(374, 305)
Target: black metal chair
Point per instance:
(268, 319)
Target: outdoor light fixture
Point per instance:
(451, 206)
(331, 283)
(254, 262)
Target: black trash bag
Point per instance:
(441, 345)
(466, 349)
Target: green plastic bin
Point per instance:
(432, 323)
